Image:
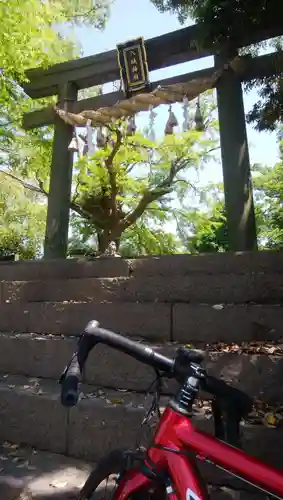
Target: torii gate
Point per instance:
(65, 79)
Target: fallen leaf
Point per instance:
(58, 484)
(270, 420)
(116, 401)
(271, 350)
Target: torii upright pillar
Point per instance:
(57, 224)
(235, 161)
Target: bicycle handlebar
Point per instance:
(93, 335)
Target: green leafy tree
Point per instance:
(223, 23)
(204, 229)
(128, 180)
(210, 232)
(268, 183)
(22, 216)
(144, 238)
(131, 178)
(31, 36)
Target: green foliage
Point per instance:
(131, 177)
(224, 22)
(143, 240)
(22, 220)
(136, 241)
(31, 36)
(85, 12)
(205, 231)
(227, 20)
(268, 183)
(182, 8)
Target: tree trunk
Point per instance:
(104, 239)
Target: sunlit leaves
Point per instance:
(22, 220)
(143, 240)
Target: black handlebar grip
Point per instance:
(70, 391)
(69, 381)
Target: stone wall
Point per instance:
(167, 301)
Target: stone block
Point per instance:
(226, 323)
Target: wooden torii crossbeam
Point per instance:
(65, 79)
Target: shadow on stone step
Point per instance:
(13, 488)
(47, 475)
(63, 495)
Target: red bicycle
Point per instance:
(167, 469)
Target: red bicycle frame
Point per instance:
(176, 432)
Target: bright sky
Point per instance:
(133, 18)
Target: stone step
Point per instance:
(220, 263)
(48, 476)
(259, 288)
(153, 321)
(260, 375)
(30, 413)
(63, 269)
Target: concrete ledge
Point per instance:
(228, 323)
(30, 413)
(45, 357)
(62, 269)
(197, 287)
(41, 472)
(96, 427)
(35, 356)
(14, 318)
(219, 263)
(151, 321)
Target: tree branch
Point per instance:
(31, 187)
(165, 187)
(111, 173)
(83, 15)
(25, 184)
(132, 217)
(185, 181)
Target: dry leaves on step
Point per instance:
(255, 347)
